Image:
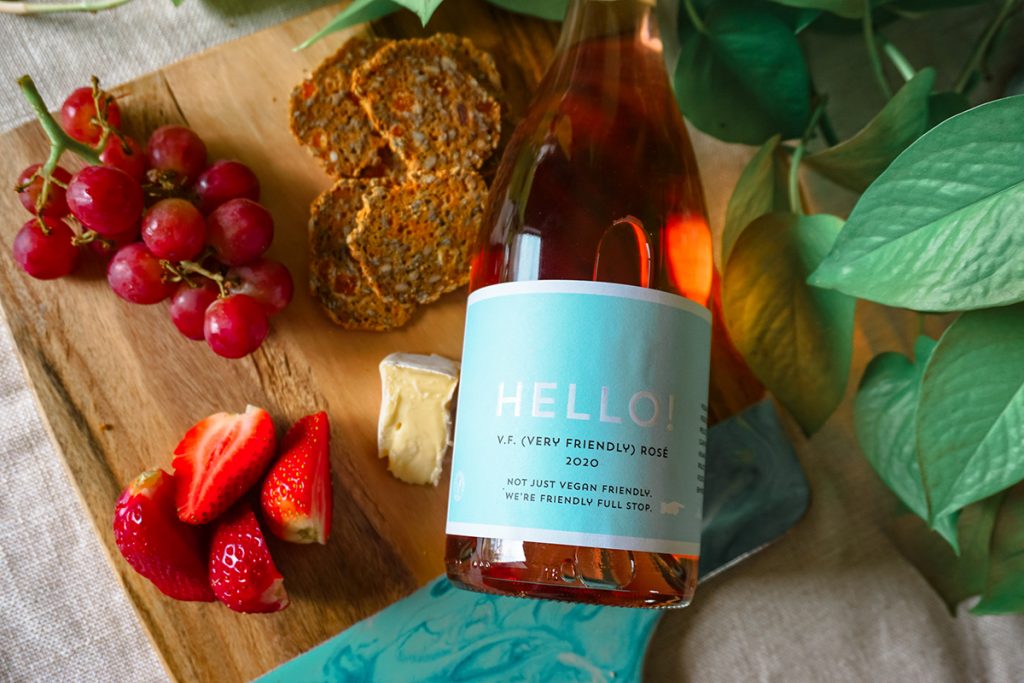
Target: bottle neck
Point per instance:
(595, 19)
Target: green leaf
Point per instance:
(745, 79)
(359, 12)
(796, 339)
(940, 230)
(954, 578)
(970, 421)
(856, 162)
(1004, 585)
(424, 9)
(943, 105)
(849, 9)
(884, 414)
(761, 188)
(177, 3)
(552, 10)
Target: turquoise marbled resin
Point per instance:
(754, 491)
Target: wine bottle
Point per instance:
(577, 471)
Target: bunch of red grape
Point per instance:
(173, 227)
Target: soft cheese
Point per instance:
(415, 425)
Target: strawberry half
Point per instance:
(242, 573)
(220, 459)
(297, 494)
(156, 543)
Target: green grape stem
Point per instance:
(181, 271)
(59, 143)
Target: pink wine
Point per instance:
(578, 464)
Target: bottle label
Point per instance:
(582, 417)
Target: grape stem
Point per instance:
(53, 7)
(181, 270)
(90, 236)
(59, 143)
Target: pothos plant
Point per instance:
(938, 228)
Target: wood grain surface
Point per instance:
(118, 386)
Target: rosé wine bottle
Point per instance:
(578, 463)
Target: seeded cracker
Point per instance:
(478, 63)
(326, 116)
(335, 279)
(432, 112)
(413, 240)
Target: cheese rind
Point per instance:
(415, 426)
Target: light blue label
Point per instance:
(581, 417)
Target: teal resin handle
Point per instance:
(755, 490)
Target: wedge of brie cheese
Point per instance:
(415, 426)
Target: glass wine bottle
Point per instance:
(579, 443)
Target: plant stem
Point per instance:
(54, 7)
(59, 140)
(827, 131)
(824, 123)
(691, 11)
(795, 205)
(982, 46)
(876, 61)
(898, 59)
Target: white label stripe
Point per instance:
(609, 289)
(514, 533)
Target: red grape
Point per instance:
(178, 149)
(266, 281)
(188, 307)
(132, 162)
(235, 326)
(174, 229)
(226, 180)
(105, 199)
(78, 115)
(239, 230)
(45, 257)
(56, 204)
(136, 275)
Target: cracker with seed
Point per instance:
(326, 117)
(335, 278)
(432, 112)
(413, 239)
(478, 63)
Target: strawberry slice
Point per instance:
(297, 493)
(220, 459)
(242, 573)
(156, 543)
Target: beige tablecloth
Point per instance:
(833, 601)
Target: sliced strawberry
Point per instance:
(242, 573)
(156, 543)
(220, 459)
(297, 492)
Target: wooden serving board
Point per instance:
(118, 386)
